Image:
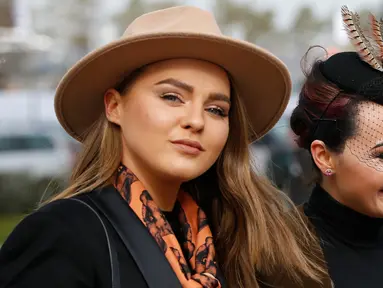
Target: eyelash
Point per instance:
(376, 154)
(169, 96)
(218, 111)
(174, 98)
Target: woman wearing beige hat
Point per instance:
(163, 194)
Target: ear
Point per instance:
(113, 106)
(321, 156)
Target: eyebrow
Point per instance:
(184, 86)
(219, 97)
(177, 83)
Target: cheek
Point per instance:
(160, 119)
(147, 121)
(358, 179)
(216, 137)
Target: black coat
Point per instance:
(63, 244)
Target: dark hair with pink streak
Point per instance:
(321, 102)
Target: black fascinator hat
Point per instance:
(359, 72)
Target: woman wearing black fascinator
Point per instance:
(339, 121)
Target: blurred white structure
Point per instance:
(28, 106)
(31, 139)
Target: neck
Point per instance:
(332, 189)
(163, 191)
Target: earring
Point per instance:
(328, 172)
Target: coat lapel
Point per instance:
(136, 238)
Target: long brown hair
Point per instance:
(253, 231)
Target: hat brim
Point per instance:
(262, 80)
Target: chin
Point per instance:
(377, 214)
(184, 173)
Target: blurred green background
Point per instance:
(20, 195)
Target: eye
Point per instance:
(378, 153)
(217, 111)
(171, 97)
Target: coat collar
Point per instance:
(149, 258)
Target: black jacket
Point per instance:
(64, 244)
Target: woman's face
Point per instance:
(173, 118)
(359, 169)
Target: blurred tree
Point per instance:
(68, 21)
(6, 13)
(308, 29)
(137, 8)
(244, 18)
(307, 21)
(231, 16)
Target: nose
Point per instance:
(194, 118)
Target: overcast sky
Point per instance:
(284, 9)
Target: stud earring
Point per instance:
(328, 172)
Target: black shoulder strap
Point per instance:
(115, 269)
(146, 253)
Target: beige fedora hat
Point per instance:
(262, 80)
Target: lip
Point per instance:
(189, 146)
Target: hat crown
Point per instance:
(180, 19)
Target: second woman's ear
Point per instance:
(321, 156)
(113, 106)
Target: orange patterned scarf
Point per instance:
(198, 269)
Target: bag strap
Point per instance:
(115, 271)
(148, 256)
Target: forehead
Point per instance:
(369, 122)
(190, 70)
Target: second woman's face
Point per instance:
(359, 169)
(174, 118)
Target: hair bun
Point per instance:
(298, 123)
